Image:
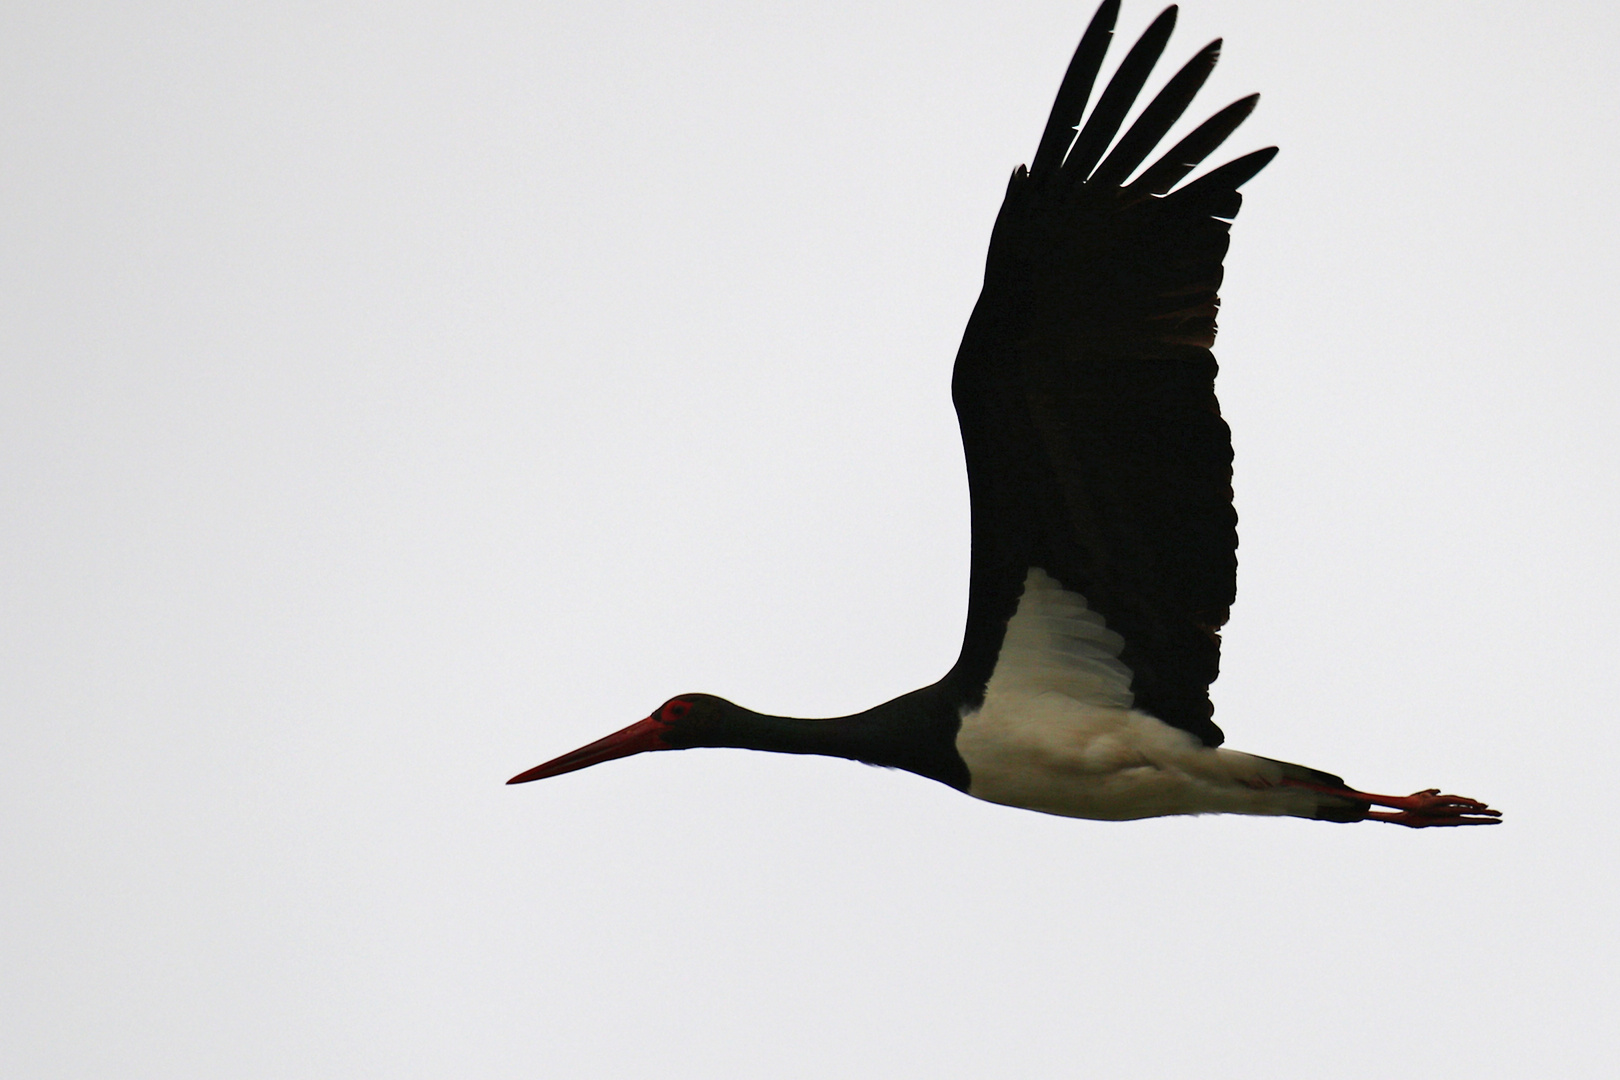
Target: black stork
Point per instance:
(1100, 470)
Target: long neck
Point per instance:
(915, 732)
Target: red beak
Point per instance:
(646, 734)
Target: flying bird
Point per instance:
(1100, 471)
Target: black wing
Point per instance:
(1085, 386)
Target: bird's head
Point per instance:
(681, 722)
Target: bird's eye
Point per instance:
(676, 710)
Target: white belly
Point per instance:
(1060, 756)
(1057, 733)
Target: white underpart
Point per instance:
(1057, 733)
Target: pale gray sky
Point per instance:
(396, 396)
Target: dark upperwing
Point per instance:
(1085, 386)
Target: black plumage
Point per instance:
(1085, 385)
(1100, 472)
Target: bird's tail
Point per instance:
(1329, 806)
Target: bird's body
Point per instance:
(1104, 538)
(1057, 732)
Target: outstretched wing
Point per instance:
(1085, 386)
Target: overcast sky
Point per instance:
(393, 397)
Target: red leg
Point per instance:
(1418, 810)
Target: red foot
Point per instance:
(1424, 808)
(1418, 810)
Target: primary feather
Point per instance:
(1085, 385)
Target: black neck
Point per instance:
(915, 732)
